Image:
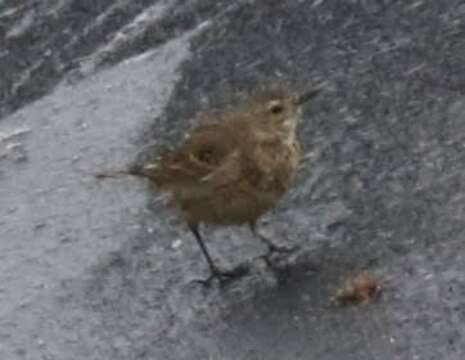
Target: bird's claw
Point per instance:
(277, 249)
(273, 249)
(223, 276)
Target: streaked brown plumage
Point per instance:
(233, 169)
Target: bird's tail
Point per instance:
(144, 172)
(114, 174)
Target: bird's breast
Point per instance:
(279, 165)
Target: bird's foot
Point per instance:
(272, 247)
(274, 250)
(280, 249)
(224, 276)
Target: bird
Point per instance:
(234, 166)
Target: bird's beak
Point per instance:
(310, 94)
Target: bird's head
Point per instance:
(280, 108)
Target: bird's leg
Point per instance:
(272, 247)
(215, 271)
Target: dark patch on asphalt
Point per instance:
(58, 40)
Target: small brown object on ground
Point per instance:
(360, 289)
(233, 167)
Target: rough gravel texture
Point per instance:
(103, 270)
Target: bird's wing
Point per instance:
(207, 157)
(227, 173)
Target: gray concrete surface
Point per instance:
(103, 270)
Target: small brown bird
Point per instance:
(235, 167)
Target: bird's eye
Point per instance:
(276, 108)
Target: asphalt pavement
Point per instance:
(103, 269)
